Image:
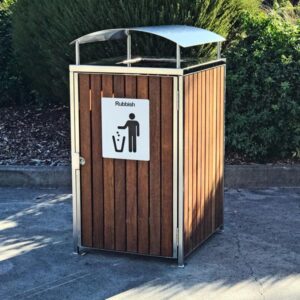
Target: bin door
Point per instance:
(127, 205)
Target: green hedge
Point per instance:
(43, 30)
(263, 94)
(12, 89)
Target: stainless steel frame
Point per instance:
(175, 164)
(180, 175)
(75, 160)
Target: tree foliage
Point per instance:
(43, 30)
(11, 82)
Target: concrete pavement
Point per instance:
(257, 256)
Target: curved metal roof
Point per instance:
(184, 36)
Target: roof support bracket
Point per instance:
(128, 48)
(178, 58)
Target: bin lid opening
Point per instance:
(182, 35)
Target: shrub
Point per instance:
(12, 89)
(43, 30)
(263, 95)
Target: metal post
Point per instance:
(175, 166)
(178, 58)
(77, 53)
(128, 47)
(180, 177)
(219, 50)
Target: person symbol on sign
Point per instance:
(133, 131)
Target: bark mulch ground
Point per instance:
(35, 136)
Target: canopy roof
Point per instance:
(184, 36)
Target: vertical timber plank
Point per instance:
(190, 153)
(214, 150)
(131, 182)
(203, 153)
(211, 138)
(85, 151)
(222, 103)
(199, 162)
(143, 183)
(186, 165)
(97, 177)
(207, 152)
(120, 183)
(108, 181)
(195, 162)
(155, 178)
(218, 160)
(167, 166)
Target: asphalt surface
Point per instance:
(256, 257)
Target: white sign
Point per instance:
(125, 128)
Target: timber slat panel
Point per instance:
(194, 160)
(108, 182)
(131, 182)
(214, 149)
(97, 175)
(186, 167)
(203, 161)
(203, 155)
(85, 149)
(155, 180)
(166, 167)
(143, 183)
(219, 152)
(221, 178)
(123, 200)
(120, 182)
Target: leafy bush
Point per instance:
(11, 83)
(263, 95)
(43, 30)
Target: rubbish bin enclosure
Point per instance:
(171, 202)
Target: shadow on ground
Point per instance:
(257, 256)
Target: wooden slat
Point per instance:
(194, 159)
(198, 158)
(211, 154)
(190, 153)
(214, 148)
(85, 151)
(155, 180)
(166, 166)
(218, 133)
(120, 181)
(131, 182)
(186, 166)
(143, 183)
(97, 177)
(203, 154)
(222, 145)
(108, 182)
(207, 154)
